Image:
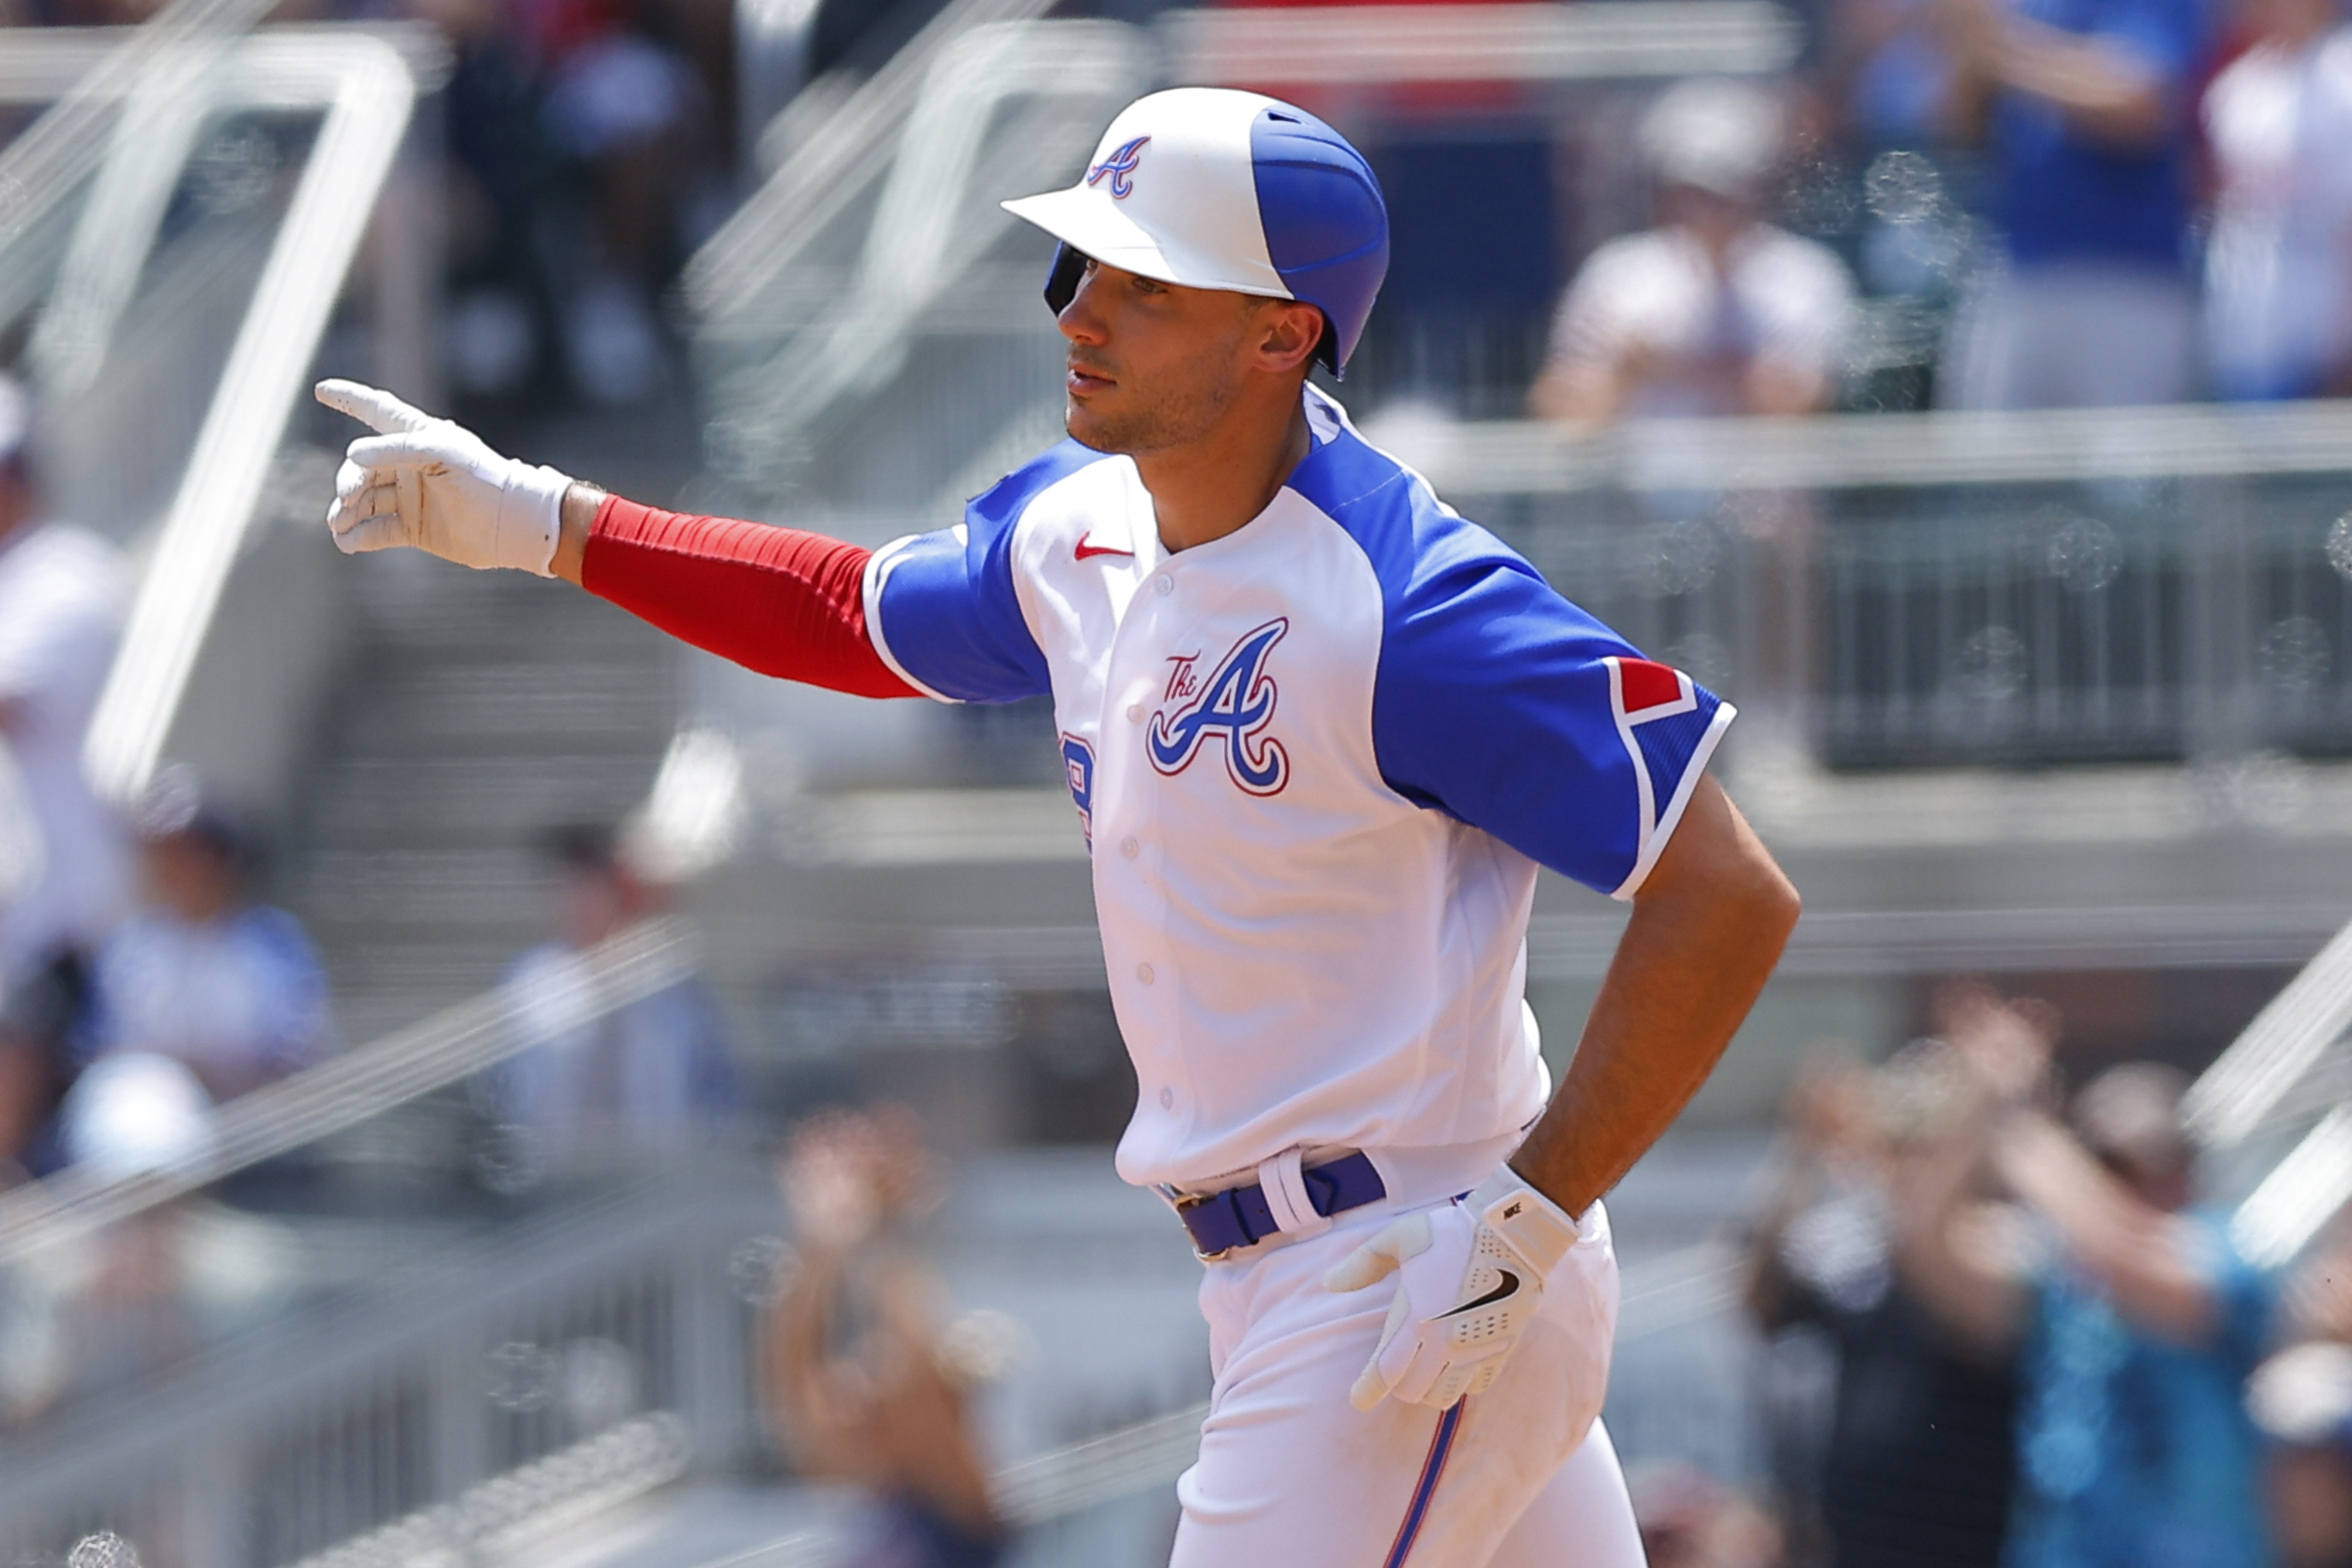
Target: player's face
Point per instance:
(1156, 365)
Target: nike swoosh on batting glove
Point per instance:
(432, 484)
(1469, 1277)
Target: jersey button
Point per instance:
(1134, 712)
(1164, 585)
(1130, 848)
(1143, 973)
(1167, 1098)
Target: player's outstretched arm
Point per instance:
(782, 601)
(1708, 925)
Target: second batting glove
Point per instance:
(435, 485)
(1470, 1275)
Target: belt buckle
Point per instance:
(1179, 1202)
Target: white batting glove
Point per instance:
(1469, 1277)
(433, 485)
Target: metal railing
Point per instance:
(871, 268)
(348, 1089)
(1661, 1297)
(1909, 588)
(2274, 1113)
(87, 187)
(833, 160)
(479, 1357)
(365, 91)
(351, 1407)
(90, 77)
(504, 1515)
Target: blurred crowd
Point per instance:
(589, 151)
(586, 148)
(2080, 203)
(2002, 1328)
(1968, 203)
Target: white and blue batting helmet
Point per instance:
(1212, 188)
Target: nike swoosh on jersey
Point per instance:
(1085, 548)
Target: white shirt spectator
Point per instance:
(1653, 302)
(63, 593)
(2278, 269)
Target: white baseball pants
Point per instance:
(1291, 1475)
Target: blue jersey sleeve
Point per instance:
(941, 607)
(1503, 705)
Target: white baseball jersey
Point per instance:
(1319, 761)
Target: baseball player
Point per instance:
(1320, 732)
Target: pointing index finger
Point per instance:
(371, 406)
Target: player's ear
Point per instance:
(1289, 330)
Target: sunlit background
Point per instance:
(2057, 695)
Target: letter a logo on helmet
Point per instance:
(1121, 167)
(1246, 192)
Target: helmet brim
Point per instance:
(1091, 225)
(1087, 220)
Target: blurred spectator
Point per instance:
(650, 1078)
(97, 1311)
(1689, 1520)
(499, 327)
(2302, 1400)
(1714, 311)
(629, 122)
(863, 1384)
(102, 1310)
(1882, 97)
(586, 160)
(2278, 262)
(228, 989)
(2135, 1322)
(1887, 73)
(42, 1018)
(1916, 1471)
(63, 594)
(2083, 106)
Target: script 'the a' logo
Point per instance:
(1119, 168)
(1235, 704)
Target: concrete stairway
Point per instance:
(481, 709)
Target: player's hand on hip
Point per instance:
(1469, 1277)
(433, 485)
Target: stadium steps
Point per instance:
(480, 709)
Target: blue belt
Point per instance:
(1240, 1216)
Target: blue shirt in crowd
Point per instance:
(238, 1000)
(2134, 1452)
(2064, 196)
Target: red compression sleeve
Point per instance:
(777, 601)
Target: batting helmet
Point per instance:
(1213, 188)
